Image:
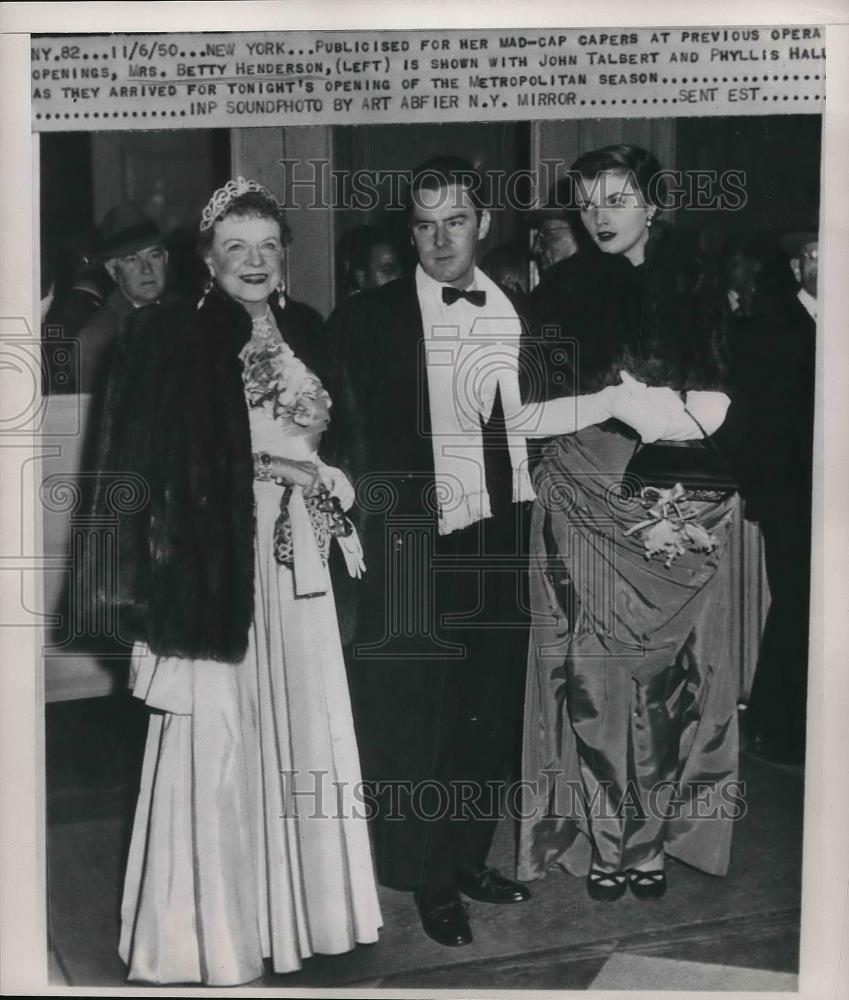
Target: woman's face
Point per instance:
(615, 214)
(246, 259)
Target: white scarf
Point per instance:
(471, 353)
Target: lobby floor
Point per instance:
(740, 932)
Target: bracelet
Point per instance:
(263, 473)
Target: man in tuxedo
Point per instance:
(438, 665)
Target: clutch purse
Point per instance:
(327, 519)
(701, 467)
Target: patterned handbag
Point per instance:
(327, 519)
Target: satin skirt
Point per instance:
(249, 839)
(630, 745)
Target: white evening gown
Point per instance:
(249, 840)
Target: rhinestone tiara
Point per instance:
(221, 199)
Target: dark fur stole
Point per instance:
(175, 424)
(661, 321)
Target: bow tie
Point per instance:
(450, 296)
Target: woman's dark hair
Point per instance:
(252, 205)
(682, 338)
(663, 322)
(641, 165)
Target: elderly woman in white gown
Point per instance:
(248, 842)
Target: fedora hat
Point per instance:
(124, 230)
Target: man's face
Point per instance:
(554, 241)
(446, 231)
(383, 266)
(806, 267)
(140, 275)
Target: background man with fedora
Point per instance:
(133, 254)
(559, 232)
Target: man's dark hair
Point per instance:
(443, 171)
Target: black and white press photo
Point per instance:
(428, 503)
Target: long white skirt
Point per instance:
(249, 839)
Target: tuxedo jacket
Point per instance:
(375, 342)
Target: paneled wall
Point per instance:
(258, 153)
(565, 141)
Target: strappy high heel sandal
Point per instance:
(606, 887)
(647, 885)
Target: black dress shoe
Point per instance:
(490, 886)
(444, 918)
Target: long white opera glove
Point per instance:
(655, 413)
(565, 416)
(709, 407)
(659, 414)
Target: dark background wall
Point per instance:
(781, 160)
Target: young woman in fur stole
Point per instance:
(630, 731)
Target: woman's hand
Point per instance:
(304, 474)
(338, 485)
(654, 413)
(288, 471)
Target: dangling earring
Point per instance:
(281, 294)
(648, 221)
(207, 288)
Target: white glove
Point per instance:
(709, 407)
(661, 414)
(338, 485)
(352, 550)
(567, 415)
(654, 413)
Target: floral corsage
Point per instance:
(669, 530)
(277, 380)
